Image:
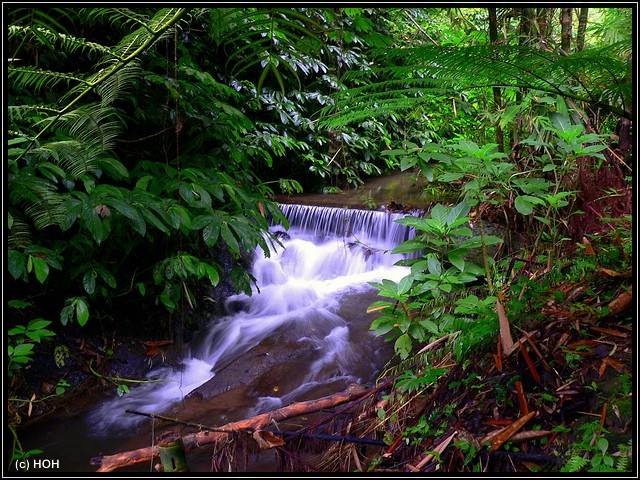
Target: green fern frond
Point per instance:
(70, 155)
(575, 464)
(581, 76)
(594, 76)
(41, 199)
(119, 16)
(133, 45)
(38, 79)
(90, 136)
(45, 18)
(61, 42)
(623, 463)
(19, 235)
(116, 85)
(28, 114)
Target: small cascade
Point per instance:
(374, 229)
(310, 302)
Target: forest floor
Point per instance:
(560, 400)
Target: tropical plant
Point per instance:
(418, 308)
(592, 453)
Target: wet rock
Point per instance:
(255, 367)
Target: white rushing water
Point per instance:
(327, 255)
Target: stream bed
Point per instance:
(302, 334)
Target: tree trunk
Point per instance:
(543, 26)
(497, 100)
(108, 463)
(565, 24)
(582, 28)
(526, 27)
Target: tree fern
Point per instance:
(39, 198)
(599, 77)
(116, 63)
(84, 131)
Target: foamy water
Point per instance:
(327, 254)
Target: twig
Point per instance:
(199, 426)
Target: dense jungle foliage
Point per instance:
(146, 149)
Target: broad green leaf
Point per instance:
(450, 177)
(403, 346)
(66, 314)
(435, 268)
(533, 185)
(17, 330)
(525, 203)
(107, 277)
(22, 350)
(114, 167)
(381, 325)
(409, 246)
(82, 311)
(458, 212)
(407, 162)
(38, 323)
(429, 326)
(405, 284)
(41, 269)
(89, 281)
(229, 238)
(15, 263)
(456, 257)
(439, 215)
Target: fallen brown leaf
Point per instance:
(505, 333)
(267, 439)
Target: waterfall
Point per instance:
(308, 302)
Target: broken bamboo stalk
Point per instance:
(109, 463)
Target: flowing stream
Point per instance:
(302, 334)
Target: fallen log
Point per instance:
(109, 463)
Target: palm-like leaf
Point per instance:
(270, 37)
